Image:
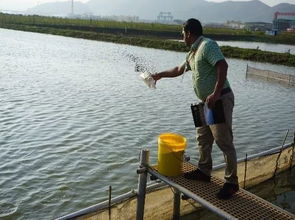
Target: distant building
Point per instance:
(235, 24)
(120, 18)
(215, 25)
(258, 26)
(124, 18)
(271, 32)
(165, 17)
(105, 18)
(291, 29)
(283, 24)
(178, 21)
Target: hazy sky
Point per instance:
(25, 4)
(268, 2)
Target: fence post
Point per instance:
(176, 205)
(142, 180)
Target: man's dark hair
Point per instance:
(193, 26)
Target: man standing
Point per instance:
(209, 71)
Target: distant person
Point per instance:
(209, 71)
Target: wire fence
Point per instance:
(271, 75)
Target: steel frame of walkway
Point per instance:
(243, 205)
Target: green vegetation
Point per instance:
(42, 20)
(148, 35)
(259, 56)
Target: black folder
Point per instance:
(204, 116)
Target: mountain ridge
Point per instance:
(207, 12)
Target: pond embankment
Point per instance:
(156, 36)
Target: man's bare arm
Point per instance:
(174, 72)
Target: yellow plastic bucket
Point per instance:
(170, 154)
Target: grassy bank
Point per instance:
(139, 34)
(144, 29)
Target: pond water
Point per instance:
(74, 115)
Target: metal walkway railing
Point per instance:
(243, 205)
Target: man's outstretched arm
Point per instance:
(174, 72)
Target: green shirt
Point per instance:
(201, 60)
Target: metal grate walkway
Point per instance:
(243, 205)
